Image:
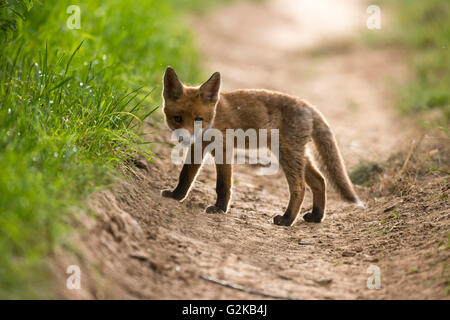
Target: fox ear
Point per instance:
(209, 91)
(173, 88)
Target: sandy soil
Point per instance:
(143, 246)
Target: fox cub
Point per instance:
(297, 121)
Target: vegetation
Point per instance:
(72, 102)
(423, 28)
(366, 173)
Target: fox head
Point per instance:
(183, 105)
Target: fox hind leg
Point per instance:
(293, 164)
(316, 182)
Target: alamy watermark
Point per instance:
(374, 281)
(373, 22)
(73, 281)
(74, 20)
(211, 141)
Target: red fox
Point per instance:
(297, 121)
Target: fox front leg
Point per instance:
(223, 188)
(185, 181)
(187, 177)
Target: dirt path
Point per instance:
(148, 247)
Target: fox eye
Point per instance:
(198, 119)
(177, 118)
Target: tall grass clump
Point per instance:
(71, 105)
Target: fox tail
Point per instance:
(331, 160)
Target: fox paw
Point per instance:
(310, 217)
(170, 194)
(214, 209)
(281, 221)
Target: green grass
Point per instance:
(72, 102)
(366, 173)
(423, 29)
